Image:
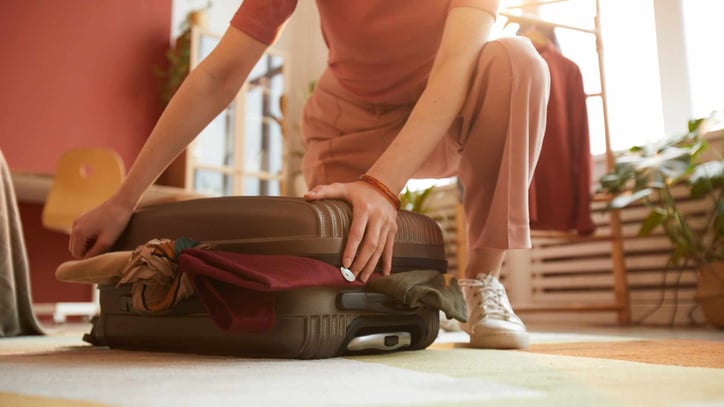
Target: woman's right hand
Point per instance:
(96, 230)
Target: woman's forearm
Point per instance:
(193, 106)
(204, 94)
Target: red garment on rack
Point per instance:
(560, 192)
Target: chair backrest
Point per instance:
(84, 177)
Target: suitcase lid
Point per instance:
(280, 225)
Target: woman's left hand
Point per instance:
(374, 225)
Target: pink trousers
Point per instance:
(492, 147)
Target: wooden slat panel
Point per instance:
(566, 283)
(646, 244)
(686, 295)
(646, 262)
(593, 297)
(575, 270)
(647, 279)
(636, 213)
(584, 265)
(667, 314)
(583, 249)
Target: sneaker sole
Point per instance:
(507, 340)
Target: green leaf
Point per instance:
(718, 224)
(628, 162)
(706, 177)
(414, 201)
(655, 218)
(698, 147)
(611, 182)
(694, 124)
(421, 199)
(678, 254)
(622, 201)
(674, 169)
(710, 170)
(406, 199)
(643, 179)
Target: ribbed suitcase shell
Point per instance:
(310, 323)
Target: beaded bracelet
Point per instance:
(382, 188)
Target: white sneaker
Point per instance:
(449, 325)
(492, 324)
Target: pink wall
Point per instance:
(75, 73)
(78, 73)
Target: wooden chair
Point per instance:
(84, 177)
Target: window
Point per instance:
(263, 139)
(704, 55)
(241, 151)
(662, 66)
(630, 65)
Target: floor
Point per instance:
(644, 332)
(55, 370)
(540, 333)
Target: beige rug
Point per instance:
(676, 352)
(58, 371)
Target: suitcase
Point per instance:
(317, 322)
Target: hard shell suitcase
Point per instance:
(315, 322)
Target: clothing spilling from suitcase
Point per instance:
(270, 290)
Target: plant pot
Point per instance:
(710, 292)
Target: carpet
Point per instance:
(676, 352)
(59, 371)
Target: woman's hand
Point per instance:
(374, 225)
(95, 231)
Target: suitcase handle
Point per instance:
(388, 341)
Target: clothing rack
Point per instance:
(621, 303)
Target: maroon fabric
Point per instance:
(561, 187)
(238, 289)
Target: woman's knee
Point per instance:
(518, 56)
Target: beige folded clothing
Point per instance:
(152, 269)
(105, 268)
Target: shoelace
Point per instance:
(489, 297)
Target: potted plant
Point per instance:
(647, 175)
(178, 58)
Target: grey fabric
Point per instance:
(16, 313)
(423, 287)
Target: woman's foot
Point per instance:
(492, 324)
